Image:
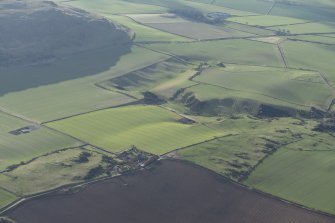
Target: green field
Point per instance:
(114, 6)
(256, 6)
(305, 177)
(265, 20)
(315, 38)
(61, 169)
(241, 86)
(306, 28)
(198, 31)
(6, 198)
(298, 55)
(298, 87)
(150, 128)
(229, 51)
(21, 148)
(76, 96)
(235, 156)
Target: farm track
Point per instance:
(282, 54)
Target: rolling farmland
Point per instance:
(150, 128)
(96, 90)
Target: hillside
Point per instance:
(36, 32)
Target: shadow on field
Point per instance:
(71, 67)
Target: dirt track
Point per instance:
(172, 192)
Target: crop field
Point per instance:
(150, 128)
(156, 189)
(276, 83)
(228, 51)
(305, 177)
(61, 168)
(6, 198)
(266, 20)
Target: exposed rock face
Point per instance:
(35, 32)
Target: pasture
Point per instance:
(61, 168)
(265, 20)
(298, 55)
(227, 51)
(15, 149)
(253, 140)
(305, 88)
(306, 28)
(304, 177)
(6, 197)
(256, 6)
(150, 128)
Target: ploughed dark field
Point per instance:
(171, 192)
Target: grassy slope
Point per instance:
(300, 87)
(79, 95)
(207, 92)
(150, 128)
(6, 198)
(230, 51)
(303, 177)
(59, 168)
(242, 152)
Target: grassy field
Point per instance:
(229, 51)
(21, 148)
(256, 6)
(150, 128)
(6, 198)
(145, 33)
(306, 28)
(114, 6)
(265, 20)
(16, 149)
(295, 86)
(298, 55)
(305, 177)
(315, 38)
(198, 31)
(79, 95)
(304, 11)
(61, 169)
(236, 156)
